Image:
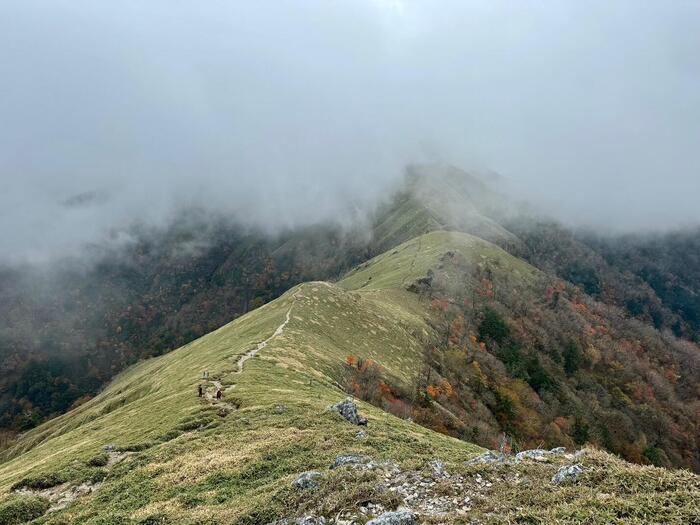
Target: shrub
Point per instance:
(170, 435)
(364, 379)
(572, 358)
(493, 326)
(514, 361)
(580, 431)
(95, 476)
(584, 276)
(136, 447)
(22, 509)
(41, 481)
(656, 456)
(100, 460)
(504, 411)
(538, 378)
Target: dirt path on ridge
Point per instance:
(260, 346)
(210, 393)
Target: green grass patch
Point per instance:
(22, 509)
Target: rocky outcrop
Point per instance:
(307, 480)
(348, 409)
(60, 496)
(438, 468)
(311, 520)
(537, 454)
(350, 459)
(487, 457)
(567, 473)
(431, 493)
(401, 517)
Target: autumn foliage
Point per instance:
(365, 379)
(549, 366)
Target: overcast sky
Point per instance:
(279, 111)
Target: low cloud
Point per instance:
(285, 113)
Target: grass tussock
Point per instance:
(22, 509)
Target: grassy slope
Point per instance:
(436, 198)
(399, 267)
(300, 369)
(240, 468)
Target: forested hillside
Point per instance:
(594, 347)
(654, 278)
(65, 333)
(278, 447)
(518, 351)
(669, 264)
(66, 330)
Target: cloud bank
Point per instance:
(282, 113)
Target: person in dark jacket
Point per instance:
(219, 394)
(200, 391)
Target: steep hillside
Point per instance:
(516, 350)
(635, 273)
(173, 457)
(64, 332)
(551, 341)
(669, 264)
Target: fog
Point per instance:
(284, 113)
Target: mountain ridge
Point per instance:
(150, 414)
(413, 211)
(444, 331)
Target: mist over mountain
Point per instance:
(454, 324)
(477, 219)
(69, 327)
(281, 115)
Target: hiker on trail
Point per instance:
(200, 391)
(219, 394)
(205, 375)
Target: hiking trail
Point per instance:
(210, 393)
(260, 346)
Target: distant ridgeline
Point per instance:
(547, 335)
